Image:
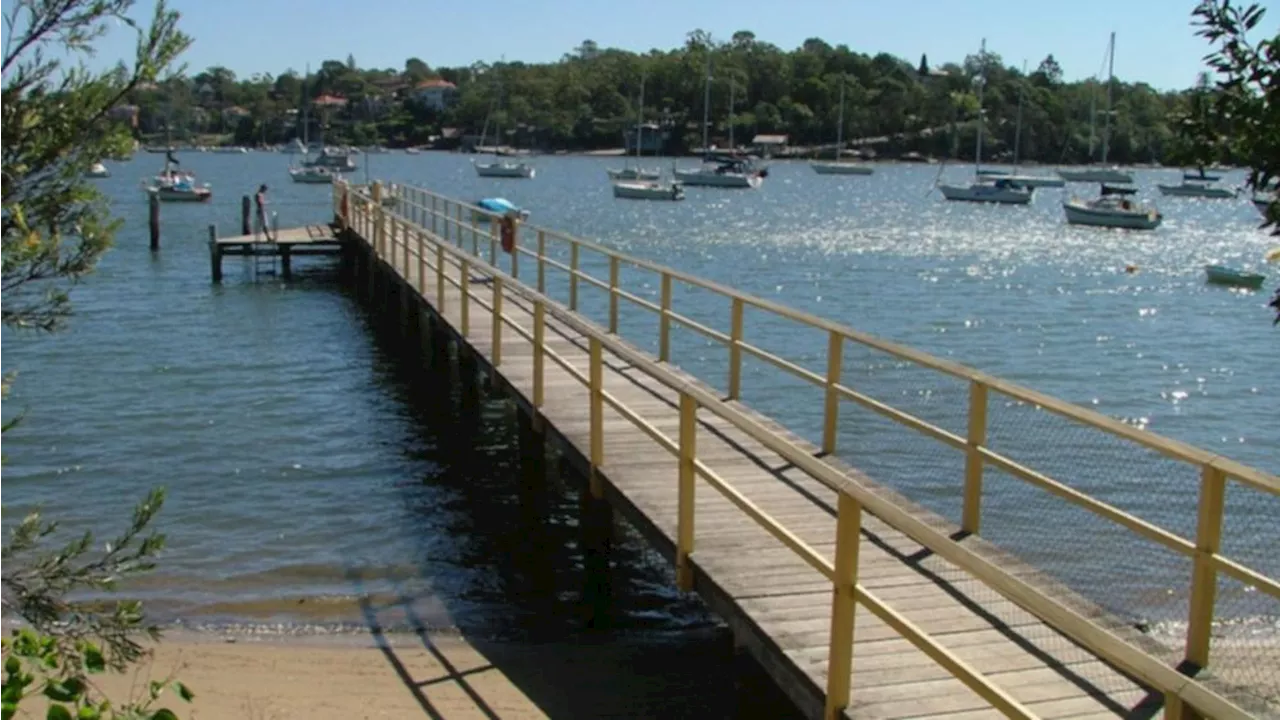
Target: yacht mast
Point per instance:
(706, 104)
(840, 120)
(1106, 119)
(982, 84)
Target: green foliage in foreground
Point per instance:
(1241, 116)
(55, 124)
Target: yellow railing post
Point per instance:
(971, 515)
(596, 377)
(379, 232)
(475, 235)
(493, 241)
(664, 321)
(1204, 576)
(735, 349)
(843, 605)
(496, 352)
(404, 241)
(687, 477)
(440, 278)
(613, 294)
(434, 215)
(539, 343)
(393, 259)
(831, 405)
(573, 275)
(422, 261)
(542, 262)
(464, 282)
(457, 225)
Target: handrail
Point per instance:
(1176, 449)
(1178, 688)
(1204, 550)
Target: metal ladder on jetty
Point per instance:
(266, 250)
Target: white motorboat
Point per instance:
(1101, 173)
(412, 151)
(332, 159)
(505, 169)
(648, 190)
(1188, 188)
(720, 170)
(1112, 211)
(633, 173)
(837, 167)
(1000, 190)
(723, 171)
(312, 175)
(179, 187)
(97, 170)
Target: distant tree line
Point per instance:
(587, 98)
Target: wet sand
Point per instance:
(334, 678)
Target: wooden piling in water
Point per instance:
(215, 254)
(246, 211)
(153, 222)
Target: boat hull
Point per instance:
(634, 174)
(1213, 193)
(505, 170)
(1080, 214)
(171, 195)
(1037, 181)
(1097, 175)
(648, 191)
(840, 168)
(312, 178)
(986, 194)
(714, 179)
(1220, 275)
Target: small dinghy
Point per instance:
(497, 206)
(640, 190)
(1222, 275)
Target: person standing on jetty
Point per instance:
(260, 200)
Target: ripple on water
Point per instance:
(295, 449)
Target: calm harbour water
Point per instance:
(308, 465)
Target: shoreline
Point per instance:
(405, 674)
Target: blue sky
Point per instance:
(1155, 42)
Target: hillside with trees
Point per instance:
(586, 99)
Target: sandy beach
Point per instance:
(350, 678)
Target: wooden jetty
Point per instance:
(857, 602)
(283, 245)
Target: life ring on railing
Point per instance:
(508, 228)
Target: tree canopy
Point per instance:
(586, 99)
(56, 121)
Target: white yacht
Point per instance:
(1113, 211)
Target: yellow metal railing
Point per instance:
(429, 227)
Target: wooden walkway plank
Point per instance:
(766, 587)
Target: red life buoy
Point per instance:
(508, 225)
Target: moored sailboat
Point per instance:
(1101, 174)
(999, 190)
(837, 167)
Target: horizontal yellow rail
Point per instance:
(367, 214)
